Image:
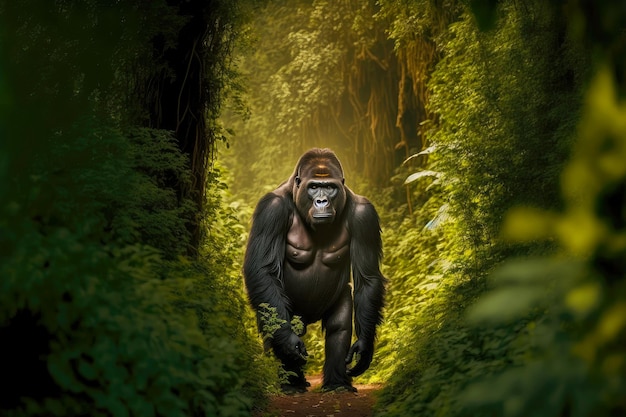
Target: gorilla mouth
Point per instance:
(322, 215)
(322, 218)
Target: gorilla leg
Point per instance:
(338, 325)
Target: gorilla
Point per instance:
(306, 237)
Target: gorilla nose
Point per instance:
(321, 202)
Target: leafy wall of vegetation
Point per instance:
(485, 101)
(102, 311)
(531, 336)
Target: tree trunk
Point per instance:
(178, 97)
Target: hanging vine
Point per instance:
(349, 76)
(376, 118)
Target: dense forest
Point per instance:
(136, 138)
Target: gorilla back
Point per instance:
(306, 236)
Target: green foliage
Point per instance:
(538, 336)
(270, 322)
(121, 332)
(578, 338)
(317, 87)
(214, 301)
(256, 169)
(99, 311)
(100, 165)
(297, 325)
(505, 125)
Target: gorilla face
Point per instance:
(319, 191)
(323, 200)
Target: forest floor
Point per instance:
(315, 403)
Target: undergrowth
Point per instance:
(100, 311)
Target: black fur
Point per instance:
(298, 260)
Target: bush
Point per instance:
(99, 312)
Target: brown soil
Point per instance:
(314, 403)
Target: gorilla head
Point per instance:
(318, 187)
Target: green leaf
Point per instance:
(417, 175)
(536, 271)
(505, 305)
(426, 151)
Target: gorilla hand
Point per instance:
(293, 348)
(365, 352)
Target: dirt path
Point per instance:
(317, 404)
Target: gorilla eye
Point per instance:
(313, 187)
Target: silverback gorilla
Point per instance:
(306, 236)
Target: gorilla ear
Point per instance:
(298, 181)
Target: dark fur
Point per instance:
(312, 280)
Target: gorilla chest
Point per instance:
(317, 251)
(316, 269)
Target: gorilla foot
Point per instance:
(296, 383)
(338, 388)
(293, 389)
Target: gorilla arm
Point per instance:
(369, 283)
(263, 269)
